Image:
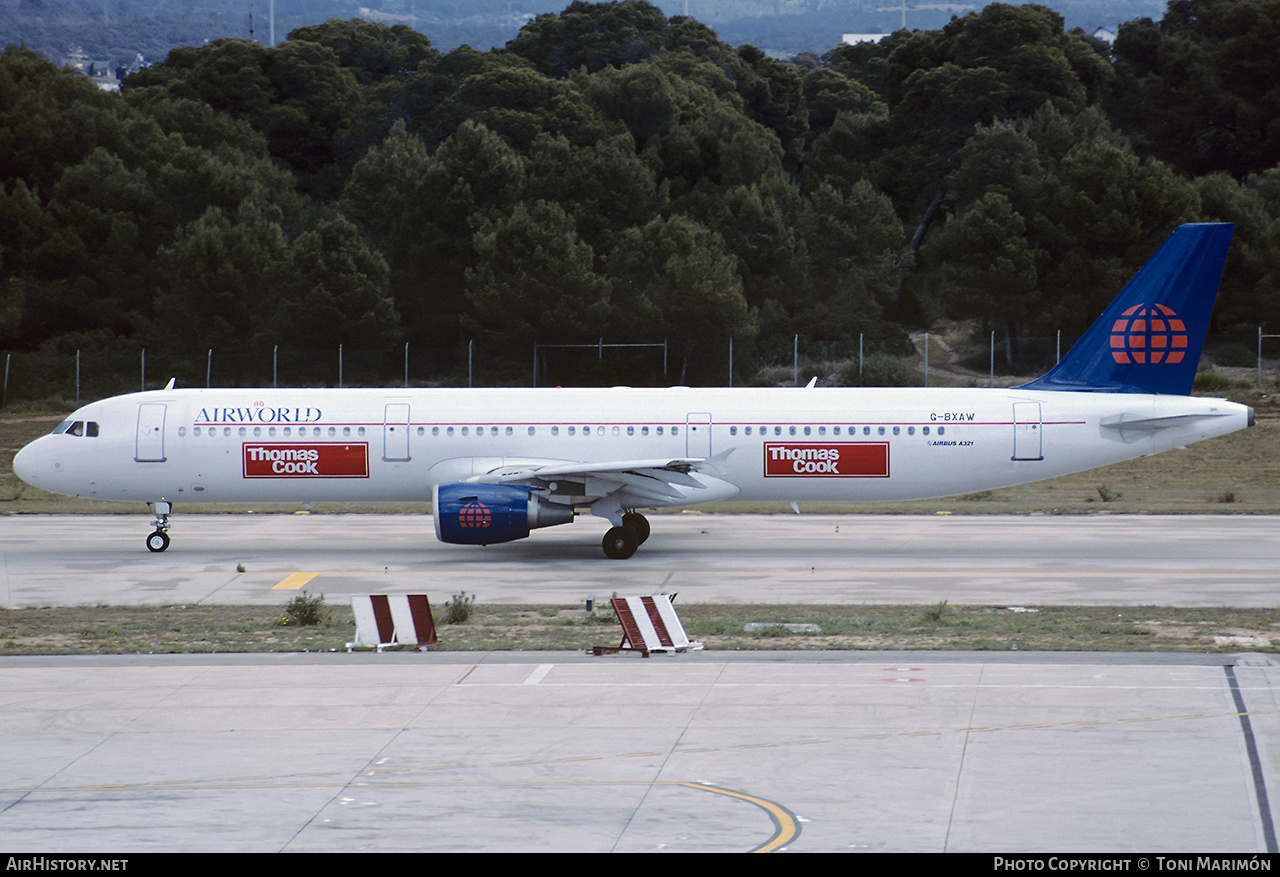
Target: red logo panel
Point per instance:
(1152, 334)
(310, 460)
(826, 460)
(474, 514)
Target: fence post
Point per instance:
(339, 366)
(926, 359)
(208, 370)
(795, 362)
(77, 377)
(730, 360)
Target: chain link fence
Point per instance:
(74, 376)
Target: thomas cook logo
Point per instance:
(1148, 334)
(474, 515)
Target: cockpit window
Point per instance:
(77, 427)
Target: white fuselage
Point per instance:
(857, 445)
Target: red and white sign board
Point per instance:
(649, 624)
(306, 460)
(392, 620)
(826, 460)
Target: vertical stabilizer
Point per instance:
(1148, 340)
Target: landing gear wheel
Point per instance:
(620, 543)
(158, 541)
(639, 523)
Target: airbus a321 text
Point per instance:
(498, 463)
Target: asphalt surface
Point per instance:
(1004, 752)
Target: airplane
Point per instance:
(499, 463)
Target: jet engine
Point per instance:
(485, 514)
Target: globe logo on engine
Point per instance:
(474, 515)
(1148, 334)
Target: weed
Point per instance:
(305, 610)
(933, 614)
(1227, 496)
(458, 610)
(1106, 494)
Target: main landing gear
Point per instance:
(621, 542)
(159, 540)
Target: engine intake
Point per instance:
(486, 514)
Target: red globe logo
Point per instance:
(1148, 334)
(474, 515)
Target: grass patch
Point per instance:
(943, 626)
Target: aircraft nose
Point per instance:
(27, 464)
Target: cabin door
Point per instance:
(150, 441)
(395, 432)
(697, 435)
(1027, 432)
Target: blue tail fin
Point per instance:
(1148, 340)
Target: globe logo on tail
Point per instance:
(1148, 334)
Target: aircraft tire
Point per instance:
(158, 541)
(640, 524)
(620, 543)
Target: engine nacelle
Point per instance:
(486, 514)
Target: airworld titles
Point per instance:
(258, 414)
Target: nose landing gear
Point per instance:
(159, 540)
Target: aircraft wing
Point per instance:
(654, 482)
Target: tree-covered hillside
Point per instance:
(615, 172)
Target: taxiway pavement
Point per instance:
(1191, 560)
